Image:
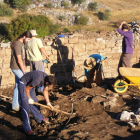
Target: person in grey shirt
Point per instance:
(17, 63)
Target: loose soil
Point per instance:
(95, 118)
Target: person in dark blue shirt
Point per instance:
(92, 66)
(27, 85)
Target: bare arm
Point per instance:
(20, 62)
(46, 94)
(27, 89)
(44, 52)
(120, 27)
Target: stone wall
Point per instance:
(84, 44)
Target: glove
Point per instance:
(51, 107)
(31, 101)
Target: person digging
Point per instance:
(27, 85)
(92, 66)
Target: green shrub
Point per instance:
(65, 4)
(65, 30)
(92, 6)
(50, 5)
(77, 1)
(19, 4)
(82, 20)
(26, 22)
(62, 18)
(105, 15)
(5, 10)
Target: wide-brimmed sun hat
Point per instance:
(33, 32)
(89, 63)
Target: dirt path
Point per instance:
(98, 116)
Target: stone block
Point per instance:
(83, 41)
(107, 49)
(49, 43)
(7, 60)
(6, 66)
(8, 51)
(118, 43)
(91, 41)
(64, 40)
(47, 71)
(110, 43)
(89, 46)
(48, 48)
(79, 62)
(73, 40)
(79, 47)
(78, 35)
(116, 49)
(100, 43)
(79, 73)
(2, 53)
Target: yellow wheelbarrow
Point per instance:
(132, 75)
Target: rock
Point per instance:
(98, 99)
(126, 116)
(132, 124)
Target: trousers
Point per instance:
(25, 107)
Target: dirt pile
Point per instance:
(98, 115)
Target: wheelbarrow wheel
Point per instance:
(120, 82)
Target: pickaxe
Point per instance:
(56, 110)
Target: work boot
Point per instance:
(30, 133)
(46, 121)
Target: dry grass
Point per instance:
(121, 10)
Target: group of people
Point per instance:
(25, 83)
(24, 94)
(93, 64)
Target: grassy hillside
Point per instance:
(121, 10)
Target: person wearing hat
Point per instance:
(92, 67)
(35, 50)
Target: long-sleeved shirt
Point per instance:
(127, 42)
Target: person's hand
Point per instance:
(31, 101)
(123, 23)
(47, 58)
(51, 107)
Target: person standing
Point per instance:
(127, 43)
(92, 66)
(17, 64)
(35, 50)
(27, 85)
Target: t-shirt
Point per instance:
(18, 49)
(98, 58)
(34, 78)
(33, 49)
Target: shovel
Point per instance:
(2, 66)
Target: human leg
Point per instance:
(126, 60)
(120, 64)
(16, 98)
(90, 78)
(98, 76)
(24, 108)
(38, 65)
(38, 116)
